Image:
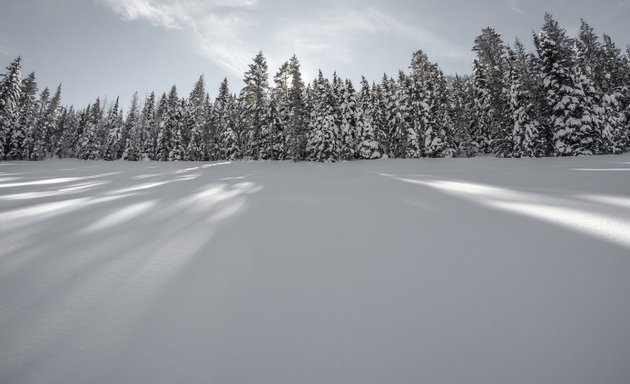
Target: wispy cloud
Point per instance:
(514, 6)
(215, 25)
(230, 32)
(334, 33)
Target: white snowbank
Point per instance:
(428, 271)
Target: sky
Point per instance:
(110, 48)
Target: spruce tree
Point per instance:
(231, 144)
(254, 99)
(114, 134)
(348, 128)
(389, 134)
(52, 134)
(10, 95)
(491, 103)
(68, 122)
(524, 139)
(133, 128)
(568, 105)
(178, 150)
(296, 126)
(615, 74)
(367, 147)
(89, 145)
(196, 124)
(224, 118)
(26, 122)
(462, 111)
(148, 129)
(165, 113)
(322, 140)
(430, 107)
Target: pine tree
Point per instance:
(348, 128)
(278, 118)
(430, 106)
(178, 150)
(402, 138)
(166, 112)
(50, 129)
(133, 126)
(47, 110)
(388, 134)
(438, 140)
(491, 104)
(568, 105)
(148, 129)
(367, 145)
(89, 145)
(462, 111)
(10, 95)
(524, 138)
(406, 143)
(589, 55)
(196, 124)
(114, 134)
(271, 128)
(231, 145)
(615, 74)
(224, 112)
(296, 125)
(254, 98)
(322, 139)
(68, 123)
(26, 121)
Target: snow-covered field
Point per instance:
(428, 271)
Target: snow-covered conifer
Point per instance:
(254, 101)
(10, 95)
(367, 146)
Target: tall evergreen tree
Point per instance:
(148, 129)
(89, 145)
(462, 111)
(254, 98)
(167, 112)
(524, 139)
(50, 129)
(10, 95)
(348, 127)
(430, 105)
(227, 118)
(488, 77)
(322, 136)
(68, 123)
(176, 125)
(221, 119)
(114, 134)
(568, 106)
(387, 128)
(196, 123)
(296, 126)
(27, 119)
(367, 147)
(132, 151)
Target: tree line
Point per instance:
(569, 97)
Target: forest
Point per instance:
(569, 97)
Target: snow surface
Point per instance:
(417, 271)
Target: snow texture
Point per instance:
(388, 271)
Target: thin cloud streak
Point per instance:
(213, 25)
(513, 5)
(333, 33)
(228, 33)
